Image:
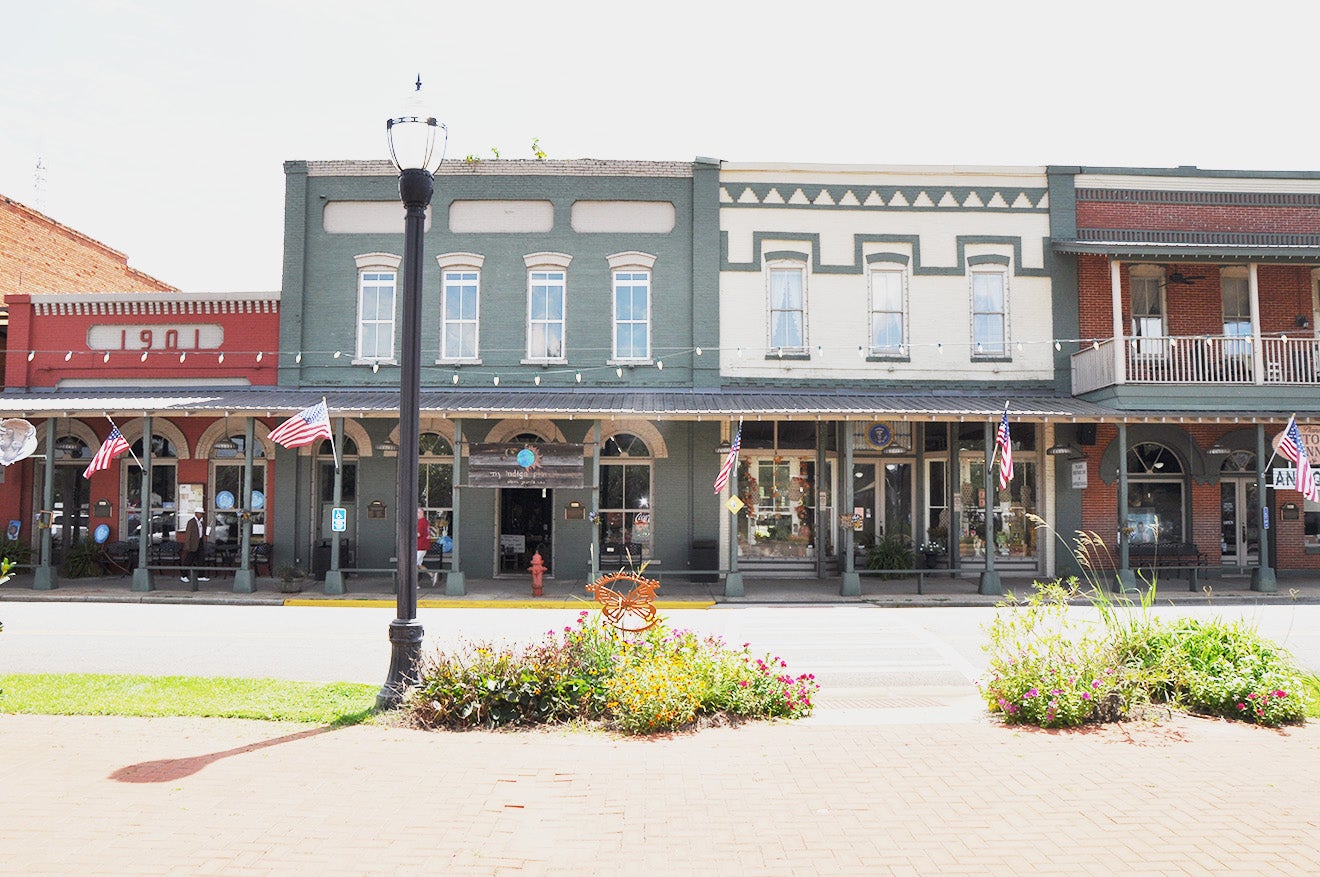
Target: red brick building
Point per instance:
(1196, 307)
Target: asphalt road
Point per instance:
(866, 658)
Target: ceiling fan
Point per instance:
(1177, 278)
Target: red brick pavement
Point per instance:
(95, 795)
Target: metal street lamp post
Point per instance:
(412, 140)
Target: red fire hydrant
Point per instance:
(538, 573)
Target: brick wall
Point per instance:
(1198, 217)
(38, 254)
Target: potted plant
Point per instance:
(291, 578)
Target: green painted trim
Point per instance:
(794, 255)
(859, 260)
(989, 259)
(887, 257)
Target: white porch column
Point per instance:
(1116, 299)
(1257, 349)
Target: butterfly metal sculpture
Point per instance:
(632, 611)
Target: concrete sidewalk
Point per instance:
(104, 795)
(1223, 586)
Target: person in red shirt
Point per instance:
(423, 539)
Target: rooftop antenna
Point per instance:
(39, 185)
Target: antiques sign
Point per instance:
(497, 464)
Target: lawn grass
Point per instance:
(1312, 684)
(88, 694)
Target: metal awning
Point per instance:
(655, 404)
(1192, 245)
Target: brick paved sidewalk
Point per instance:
(95, 795)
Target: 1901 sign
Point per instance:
(497, 464)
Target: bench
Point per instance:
(1156, 554)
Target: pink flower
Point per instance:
(1251, 696)
(1242, 706)
(1280, 694)
(1086, 695)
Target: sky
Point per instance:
(161, 126)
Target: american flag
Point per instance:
(730, 462)
(1004, 442)
(1290, 445)
(304, 427)
(113, 446)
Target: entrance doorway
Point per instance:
(526, 516)
(1239, 522)
(883, 491)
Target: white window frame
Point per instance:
(1147, 345)
(543, 267)
(367, 265)
(453, 265)
(979, 348)
(638, 266)
(1236, 343)
(786, 266)
(889, 271)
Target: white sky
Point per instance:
(163, 125)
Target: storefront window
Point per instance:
(435, 483)
(226, 494)
(627, 523)
(1155, 494)
(164, 493)
(1014, 533)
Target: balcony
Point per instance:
(1197, 359)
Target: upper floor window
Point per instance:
(377, 279)
(547, 289)
(990, 311)
(888, 312)
(788, 309)
(460, 305)
(632, 305)
(1236, 296)
(1149, 318)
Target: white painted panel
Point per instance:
(640, 217)
(501, 217)
(365, 217)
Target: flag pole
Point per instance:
(130, 447)
(334, 449)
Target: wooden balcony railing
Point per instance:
(1195, 359)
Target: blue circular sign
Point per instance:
(224, 500)
(879, 435)
(258, 500)
(101, 533)
(526, 458)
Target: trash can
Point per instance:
(705, 556)
(320, 559)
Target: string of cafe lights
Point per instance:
(824, 358)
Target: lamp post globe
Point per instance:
(417, 146)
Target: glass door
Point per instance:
(1239, 522)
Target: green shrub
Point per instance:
(890, 552)
(15, 551)
(81, 560)
(657, 680)
(1053, 669)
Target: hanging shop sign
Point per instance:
(513, 464)
(18, 439)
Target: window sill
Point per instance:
(888, 357)
(544, 362)
(358, 361)
(991, 357)
(443, 361)
(628, 362)
(799, 356)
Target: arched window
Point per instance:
(226, 493)
(1239, 463)
(69, 519)
(164, 497)
(435, 482)
(1156, 494)
(627, 524)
